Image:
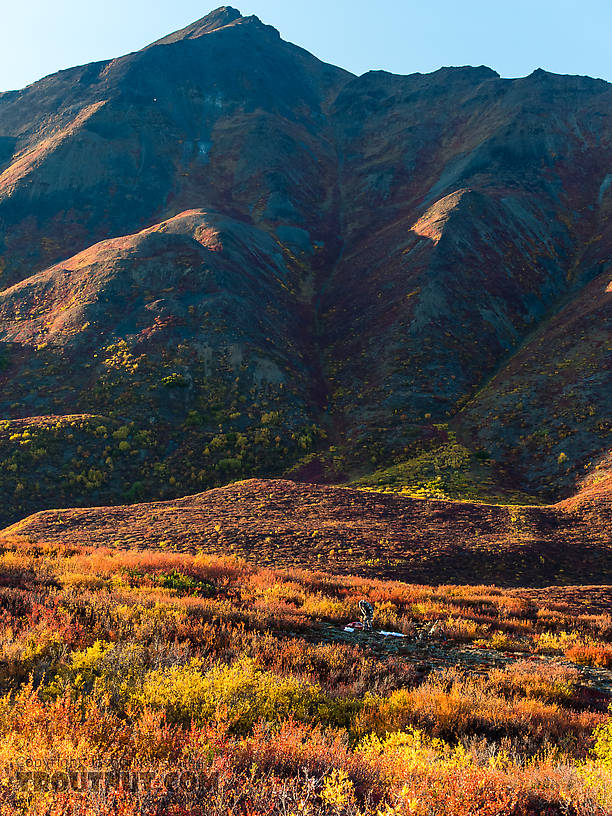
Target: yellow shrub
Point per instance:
(602, 750)
(241, 693)
(338, 790)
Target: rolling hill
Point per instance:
(276, 523)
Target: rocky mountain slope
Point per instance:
(221, 257)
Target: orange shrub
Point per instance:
(593, 655)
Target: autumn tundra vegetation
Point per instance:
(144, 682)
(276, 339)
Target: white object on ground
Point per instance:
(374, 632)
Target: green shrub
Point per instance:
(186, 584)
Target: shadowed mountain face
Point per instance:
(220, 257)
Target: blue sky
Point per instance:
(403, 36)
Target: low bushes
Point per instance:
(209, 676)
(242, 694)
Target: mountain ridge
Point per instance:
(216, 20)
